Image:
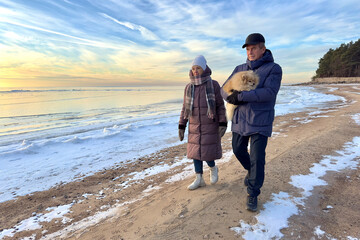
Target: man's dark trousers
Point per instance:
(255, 162)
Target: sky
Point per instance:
(75, 43)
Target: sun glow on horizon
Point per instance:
(4, 84)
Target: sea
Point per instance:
(51, 136)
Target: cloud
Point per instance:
(79, 40)
(147, 34)
(150, 40)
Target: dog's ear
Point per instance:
(244, 78)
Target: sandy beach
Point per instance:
(159, 206)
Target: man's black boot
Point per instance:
(251, 203)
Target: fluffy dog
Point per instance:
(240, 81)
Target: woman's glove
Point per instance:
(222, 128)
(181, 132)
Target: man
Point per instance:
(254, 116)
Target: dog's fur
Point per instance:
(240, 81)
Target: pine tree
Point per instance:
(344, 61)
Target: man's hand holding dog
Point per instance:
(233, 98)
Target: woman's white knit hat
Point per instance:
(200, 61)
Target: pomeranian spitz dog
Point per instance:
(240, 81)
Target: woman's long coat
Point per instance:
(204, 142)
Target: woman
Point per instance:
(204, 109)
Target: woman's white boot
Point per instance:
(214, 174)
(199, 182)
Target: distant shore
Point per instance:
(331, 80)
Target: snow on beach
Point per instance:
(33, 222)
(43, 144)
(283, 205)
(109, 141)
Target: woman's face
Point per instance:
(197, 70)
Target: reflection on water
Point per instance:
(23, 113)
(45, 101)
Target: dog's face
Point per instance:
(245, 81)
(250, 81)
(242, 81)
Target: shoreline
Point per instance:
(176, 205)
(333, 82)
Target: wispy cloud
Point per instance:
(147, 34)
(79, 40)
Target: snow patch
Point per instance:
(282, 206)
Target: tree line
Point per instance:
(344, 61)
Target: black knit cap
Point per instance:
(254, 39)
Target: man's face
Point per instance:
(254, 52)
